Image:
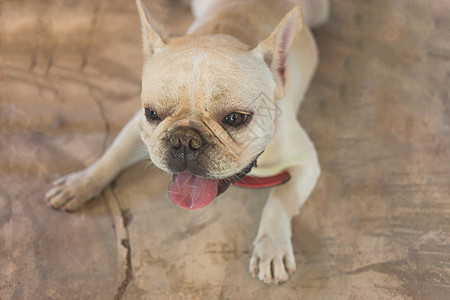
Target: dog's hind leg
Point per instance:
(73, 190)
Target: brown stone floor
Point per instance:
(376, 227)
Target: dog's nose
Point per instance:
(185, 139)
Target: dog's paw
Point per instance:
(272, 259)
(70, 192)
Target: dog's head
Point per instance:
(207, 104)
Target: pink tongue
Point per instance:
(191, 191)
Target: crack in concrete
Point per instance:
(101, 109)
(87, 80)
(401, 269)
(91, 34)
(128, 272)
(47, 31)
(125, 242)
(6, 207)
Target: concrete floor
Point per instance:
(376, 227)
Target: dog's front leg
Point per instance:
(273, 258)
(73, 190)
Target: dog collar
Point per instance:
(263, 182)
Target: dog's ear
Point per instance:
(276, 47)
(152, 35)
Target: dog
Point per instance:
(219, 106)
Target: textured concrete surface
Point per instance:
(376, 227)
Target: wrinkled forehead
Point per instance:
(200, 74)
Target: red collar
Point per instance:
(263, 182)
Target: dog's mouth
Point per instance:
(194, 192)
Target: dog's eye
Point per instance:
(236, 119)
(151, 115)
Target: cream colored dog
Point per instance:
(213, 102)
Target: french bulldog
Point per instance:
(216, 102)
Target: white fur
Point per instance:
(289, 149)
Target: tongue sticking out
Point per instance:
(191, 191)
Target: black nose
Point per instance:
(185, 141)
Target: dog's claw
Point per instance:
(70, 192)
(272, 261)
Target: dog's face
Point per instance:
(205, 106)
(207, 100)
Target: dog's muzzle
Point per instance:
(186, 143)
